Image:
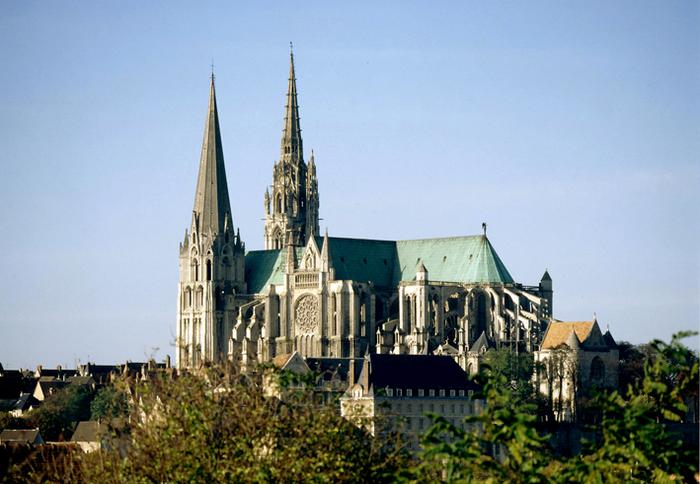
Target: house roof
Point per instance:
(482, 342)
(87, 431)
(29, 436)
(587, 333)
(468, 259)
(416, 371)
(329, 368)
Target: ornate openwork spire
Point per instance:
(291, 134)
(211, 202)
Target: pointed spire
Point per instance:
(211, 202)
(326, 262)
(572, 341)
(291, 134)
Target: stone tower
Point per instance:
(291, 210)
(212, 259)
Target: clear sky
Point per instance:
(572, 129)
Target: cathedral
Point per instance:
(335, 297)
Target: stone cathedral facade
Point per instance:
(335, 297)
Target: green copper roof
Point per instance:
(265, 267)
(470, 260)
(362, 259)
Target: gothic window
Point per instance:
(195, 270)
(597, 370)
(227, 268)
(279, 203)
(208, 269)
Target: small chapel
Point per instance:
(333, 297)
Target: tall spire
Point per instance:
(291, 134)
(211, 202)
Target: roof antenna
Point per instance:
(483, 226)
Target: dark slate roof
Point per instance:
(87, 431)
(11, 386)
(609, 340)
(29, 436)
(418, 371)
(482, 342)
(469, 259)
(329, 368)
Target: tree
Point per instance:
(109, 402)
(634, 444)
(56, 417)
(217, 426)
(501, 444)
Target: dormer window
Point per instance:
(398, 392)
(409, 392)
(389, 392)
(452, 393)
(442, 393)
(461, 393)
(421, 392)
(431, 392)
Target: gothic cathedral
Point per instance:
(336, 297)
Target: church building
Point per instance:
(326, 296)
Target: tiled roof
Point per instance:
(587, 332)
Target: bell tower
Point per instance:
(212, 259)
(292, 206)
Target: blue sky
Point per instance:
(572, 129)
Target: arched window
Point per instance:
(208, 269)
(195, 270)
(597, 370)
(227, 268)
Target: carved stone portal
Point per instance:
(306, 315)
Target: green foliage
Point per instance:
(515, 372)
(57, 415)
(8, 421)
(451, 454)
(217, 426)
(634, 444)
(109, 402)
